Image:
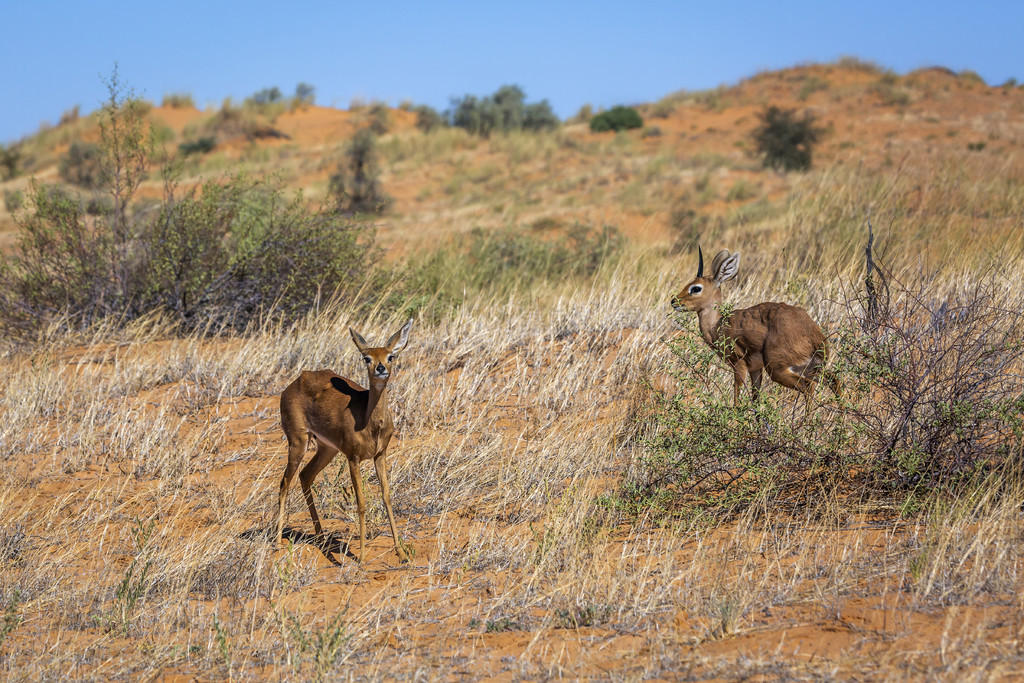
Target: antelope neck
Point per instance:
(377, 389)
(708, 319)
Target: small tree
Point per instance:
(785, 140)
(267, 96)
(354, 185)
(428, 118)
(80, 166)
(305, 93)
(539, 116)
(9, 158)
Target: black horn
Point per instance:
(700, 262)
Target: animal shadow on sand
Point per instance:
(328, 543)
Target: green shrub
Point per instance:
(266, 96)
(931, 404)
(354, 186)
(232, 122)
(305, 94)
(504, 111)
(9, 159)
(428, 118)
(202, 145)
(616, 118)
(81, 165)
(380, 119)
(785, 140)
(227, 253)
(13, 200)
(220, 255)
(539, 116)
(705, 453)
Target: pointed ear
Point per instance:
(728, 268)
(358, 339)
(399, 339)
(717, 262)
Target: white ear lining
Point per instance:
(728, 269)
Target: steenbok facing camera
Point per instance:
(342, 417)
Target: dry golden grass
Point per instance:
(141, 469)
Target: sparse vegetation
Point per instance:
(178, 100)
(550, 445)
(219, 255)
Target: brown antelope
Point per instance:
(773, 337)
(342, 417)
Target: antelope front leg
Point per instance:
(381, 465)
(739, 375)
(357, 486)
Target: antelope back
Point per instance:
(793, 338)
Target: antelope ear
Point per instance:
(727, 268)
(358, 339)
(399, 339)
(717, 262)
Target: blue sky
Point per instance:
(54, 55)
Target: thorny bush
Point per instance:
(933, 402)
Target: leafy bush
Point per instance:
(539, 116)
(232, 122)
(201, 145)
(707, 453)
(785, 140)
(220, 255)
(354, 185)
(305, 94)
(380, 119)
(266, 96)
(932, 403)
(9, 158)
(81, 165)
(13, 200)
(428, 118)
(616, 118)
(504, 111)
(228, 253)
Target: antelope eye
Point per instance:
(696, 289)
(391, 357)
(366, 359)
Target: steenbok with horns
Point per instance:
(776, 338)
